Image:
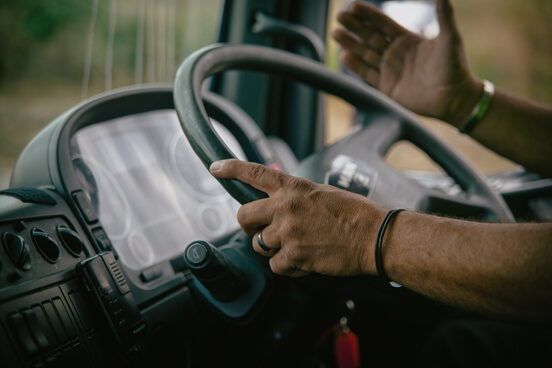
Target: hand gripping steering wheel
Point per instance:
(389, 122)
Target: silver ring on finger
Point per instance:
(262, 244)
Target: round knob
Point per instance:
(17, 249)
(215, 271)
(197, 254)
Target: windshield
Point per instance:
(56, 54)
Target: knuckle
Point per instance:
(276, 266)
(293, 253)
(283, 180)
(256, 172)
(290, 205)
(242, 216)
(291, 230)
(300, 185)
(244, 219)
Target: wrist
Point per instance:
(380, 269)
(371, 220)
(466, 96)
(480, 109)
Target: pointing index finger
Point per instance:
(258, 176)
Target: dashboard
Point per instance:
(150, 191)
(101, 208)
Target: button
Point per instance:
(21, 332)
(151, 274)
(71, 240)
(55, 322)
(179, 264)
(139, 329)
(17, 249)
(20, 226)
(46, 245)
(45, 325)
(67, 323)
(103, 240)
(36, 330)
(83, 202)
(196, 254)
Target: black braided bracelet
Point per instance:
(379, 241)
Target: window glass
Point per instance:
(506, 41)
(58, 53)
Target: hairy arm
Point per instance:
(513, 127)
(498, 269)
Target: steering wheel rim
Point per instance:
(209, 147)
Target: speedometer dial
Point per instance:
(192, 174)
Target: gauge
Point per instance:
(211, 220)
(191, 171)
(192, 174)
(141, 249)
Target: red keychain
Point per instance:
(347, 352)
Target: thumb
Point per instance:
(445, 14)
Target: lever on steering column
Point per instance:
(215, 271)
(227, 280)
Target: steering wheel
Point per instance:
(388, 123)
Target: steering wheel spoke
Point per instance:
(460, 205)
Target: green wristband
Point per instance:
(480, 109)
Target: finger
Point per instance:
(270, 245)
(377, 19)
(369, 35)
(393, 60)
(368, 55)
(445, 14)
(259, 176)
(255, 215)
(281, 265)
(368, 73)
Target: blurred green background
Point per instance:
(54, 54)
(57, 53)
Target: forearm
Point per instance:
(500, 269)
(514, 127)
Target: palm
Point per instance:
(421, 74)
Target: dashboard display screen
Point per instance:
(152, 194)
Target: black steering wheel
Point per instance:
(389, 122)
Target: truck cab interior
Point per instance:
(118, 248)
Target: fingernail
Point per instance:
(216, 166)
